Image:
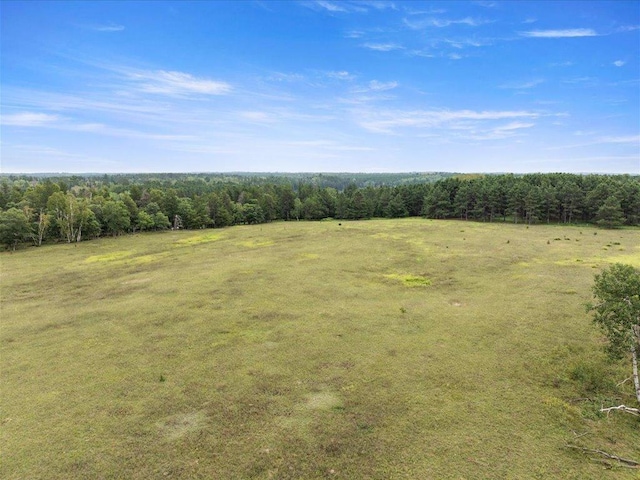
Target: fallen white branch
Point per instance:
(624, 408)
(623, 381)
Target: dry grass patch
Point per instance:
(257, 243)
(177, 426)
(302, 360)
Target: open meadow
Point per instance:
(405, 349)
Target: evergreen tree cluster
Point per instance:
(606, 200)
(74, 208)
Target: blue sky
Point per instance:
(322, 86)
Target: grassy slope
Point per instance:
(311, 350)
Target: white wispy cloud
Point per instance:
(328, 144)
(442, 22)
(441, 48)
(122, 107)
(376, 86)
(340, 75)
(377, 4)
(383, 47)
(522, 85)
(567, 63)
(585, 81)
(29, 119)
(631, 140)
(105, 27)
(257, 116)
(620, 139)
(273, 115)
(46, 158)
(628, 28)
(332, 7)
(619, 63)
(362, 99)
(354, 34)
(430, 11)
(108, 130)
(178, 83)
(43, 150)
(566, 33)
(126, 88)
(422, 53)
(285, 77)
(467, 42)
(515, 126)
(499, 132)
(56, 122)
(390, 120)
(486, 4)
(111, 27)
(350, 6)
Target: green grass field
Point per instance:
(381, 349)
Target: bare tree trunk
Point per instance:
(43, 223)
(71, 217)
(634, 358)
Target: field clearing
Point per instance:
(376, 349)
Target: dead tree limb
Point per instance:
(625, 461)
(578, 435)
(623, 408)
(619, 384)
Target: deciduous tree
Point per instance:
(144, 221)
(115, 217)
(14, 227)
(617, 312)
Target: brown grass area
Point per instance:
(296, 350)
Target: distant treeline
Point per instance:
(35, 209)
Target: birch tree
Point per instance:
(617, 312)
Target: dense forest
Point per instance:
(51, 208)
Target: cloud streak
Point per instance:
(56, 122)
(106, 28)
(353, 6)
(567, 33)
(392, 120)
(443, 22)
(109, 28)
(178, 83)
(29, 119)
(376, 86)
(622, 140)
(340, 75)
(332, 7)
(383, 47)
(522, 85)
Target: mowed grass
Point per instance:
(376, 349)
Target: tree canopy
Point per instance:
(75, 208)
(617, 312)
